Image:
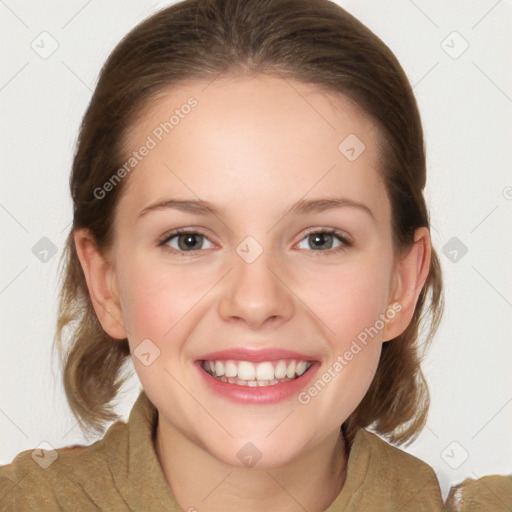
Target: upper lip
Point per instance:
(255, 355)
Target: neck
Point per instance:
(199, 481)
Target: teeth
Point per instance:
(246, 371)
(231, 369)
(265, 371)
(219, 368)
(301, 368)
(290, 372)
(258, 374)
(280, 370)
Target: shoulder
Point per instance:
(388, 456)
(400, 477)
(492, 492)
(55, 477)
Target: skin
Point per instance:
(253, 146)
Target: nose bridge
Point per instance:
(253, 292)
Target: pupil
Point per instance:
(320, 238)
(187, 242)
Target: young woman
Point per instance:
(250, 229)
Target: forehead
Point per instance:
(252, 138)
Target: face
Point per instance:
(286, 261)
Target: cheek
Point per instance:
(156, 298)
(348, 298)
(156, 305)
(349, 304)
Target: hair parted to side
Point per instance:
(314, 41)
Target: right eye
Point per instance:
(181, 241)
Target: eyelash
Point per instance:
(345, 241)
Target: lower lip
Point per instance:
(262, 395)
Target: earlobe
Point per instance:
(101, 283)
(411, 272)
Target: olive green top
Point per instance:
(487, 493)
(121, 472)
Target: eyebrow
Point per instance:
(319, 205)
(187, 205)
(301, 207)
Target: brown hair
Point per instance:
(314, 41)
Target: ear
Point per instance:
(410, 273)
(102, 284)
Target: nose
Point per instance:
(256, 293)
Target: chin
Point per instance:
(260, 453)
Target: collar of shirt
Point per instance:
(394, 477)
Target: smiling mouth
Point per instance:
(265, 373)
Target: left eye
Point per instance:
(187, 241)
(324, 240)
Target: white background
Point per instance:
(466, 105)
